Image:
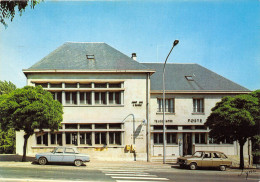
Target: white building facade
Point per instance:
(113, 104)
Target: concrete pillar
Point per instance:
(78, 97)
(92, 98)
(63, 98)
(63, 139)
(107, 98)
(49, 139)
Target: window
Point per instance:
(216, 155)
(169, 105)
(57, 96)
(114, 85)
(59, 150)
(172, 127)
(198, 105)
(157, 138)
(200, 138)
(187, 128)
(90, 57)
(115, 126)
(100, 98)
(114, 98)
(207, 155)
(71, 85)
(115, 138)
(100, 126)
(158, 127)
(171, 138)
(200, 127)
(71, 98)
(71, 126)
(85, 98)
(100, 85)
(85, 126)
(55, 85)
(42, 139)
(44, 85)
(81, 85)
(189, 78)
(71, 138)
(100, 138)
(69, 150)
(85, 138)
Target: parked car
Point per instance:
(62, 154)
(205, 159)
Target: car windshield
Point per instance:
(76, 150)
(197, 154)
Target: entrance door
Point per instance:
(187, 144)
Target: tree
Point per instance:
(8, 8)
(236, 119)
(30, 108)
(6, 87)
(7, 138)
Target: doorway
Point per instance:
(187, 144)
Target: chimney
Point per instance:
(134, 56)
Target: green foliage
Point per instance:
(30, 108)
(8, 8)
(7, 138)
(6, 87)
(234, 118)
(7, 141)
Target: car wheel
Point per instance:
(222, 168)
(42, 161)
(78, 163)
(193, 166)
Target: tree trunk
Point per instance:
(26, 136)
(241, 144)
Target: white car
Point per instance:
(62, 154)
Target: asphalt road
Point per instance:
(118, 173)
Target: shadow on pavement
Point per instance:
(14, 158)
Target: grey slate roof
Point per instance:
(72, 56)
(204, 79)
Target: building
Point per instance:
(113, 104)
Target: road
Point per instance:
(120, 172)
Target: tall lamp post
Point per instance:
(164, 138)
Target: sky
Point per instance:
(223, 36)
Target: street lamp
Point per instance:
(164, 138)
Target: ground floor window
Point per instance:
(171, 138)
(71, 138)
(200, 138)
(115, 138)
(100, 138)
(56, 138)
(42, 139)
(158, 138)
(85, 138)
(227, 141)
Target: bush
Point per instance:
(7, 141)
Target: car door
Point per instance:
(207, 160)
(216, 160)
(69, 155)
(57, 155)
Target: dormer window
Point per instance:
(90, 57)
(189, 78)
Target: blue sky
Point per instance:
(223, 36)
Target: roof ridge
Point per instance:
(163, 63)
(85, 42)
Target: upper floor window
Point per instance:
(57, 96)
(71, 85)
(114, 85)
(44, 85)
(55, 85)
(169, 105)
(100, 98)
(71, 98)
(198, 105)
(85, 98)
(100, 85)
